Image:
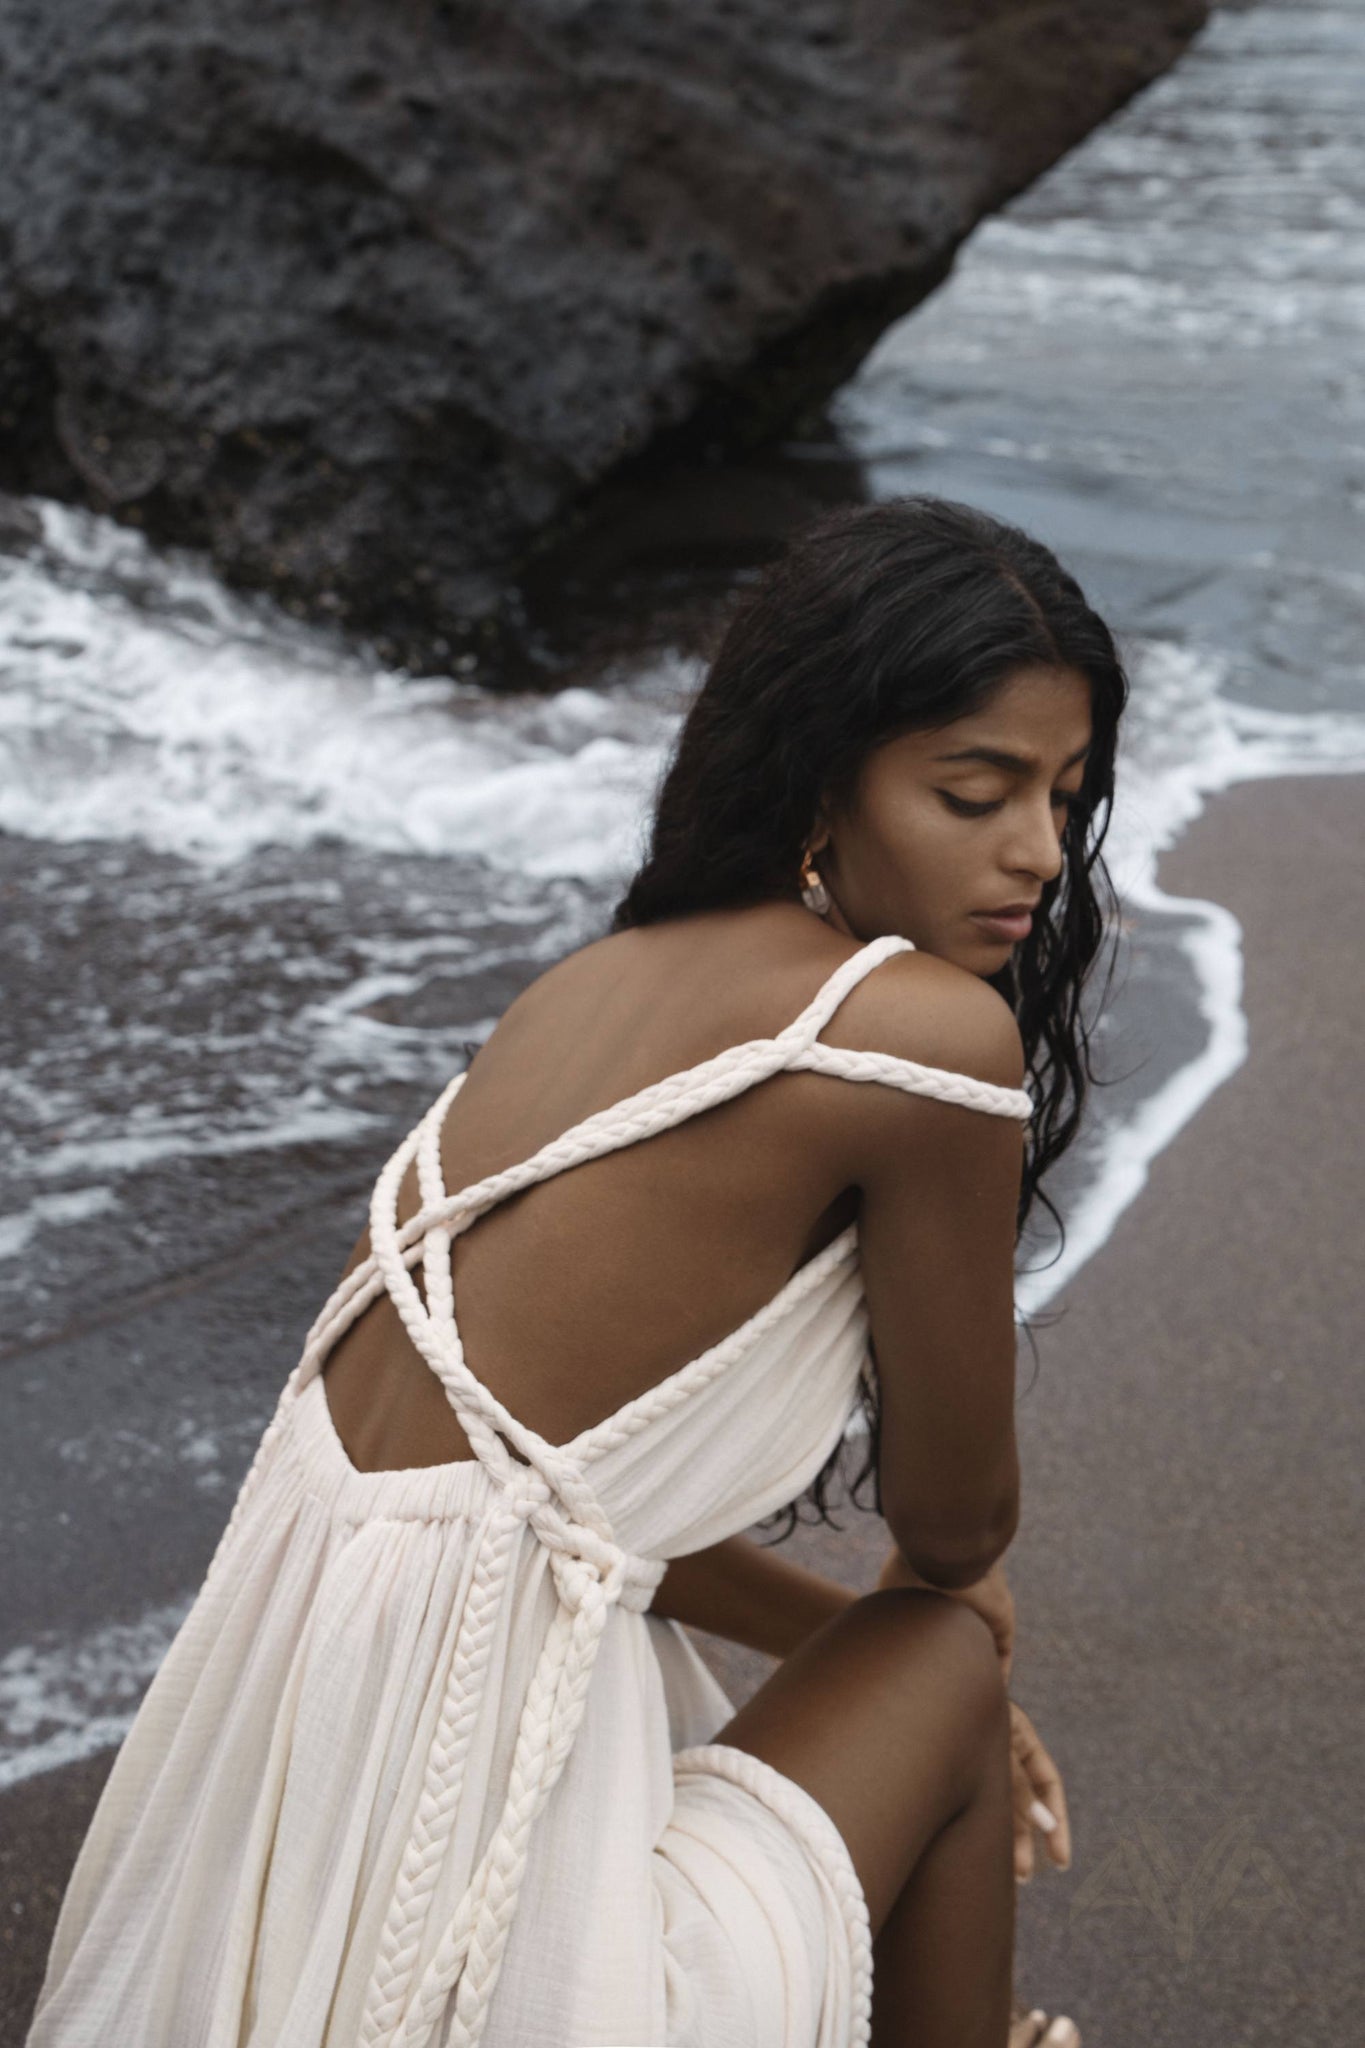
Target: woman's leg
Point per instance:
(895, 1718)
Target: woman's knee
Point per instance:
(947, 1643)
(886, 1718)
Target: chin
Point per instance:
(991, 955)
(960, 956)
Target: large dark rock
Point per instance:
(366, 299)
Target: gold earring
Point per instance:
(814, 894)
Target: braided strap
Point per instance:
(826, 1848)
(441, 1787)
(436, 1242)
(655, 1108)
(469, 1957)
(917, 1079)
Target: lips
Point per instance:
(1010, 926)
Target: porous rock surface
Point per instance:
(367, 299)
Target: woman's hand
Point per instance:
(1038, 1789)
(1036, 1781)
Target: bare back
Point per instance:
(585, 1290)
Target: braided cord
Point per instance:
(824, 1845)
(591, 1573)
(916, 1079)
(441, 1786)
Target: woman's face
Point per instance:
(946, 825)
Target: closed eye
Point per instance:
(964, 808)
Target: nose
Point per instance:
(1036, 848)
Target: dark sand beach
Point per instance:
(1190, 1600)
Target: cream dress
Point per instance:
(420, 1769)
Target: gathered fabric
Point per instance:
(420, 1769)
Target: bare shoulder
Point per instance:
(920, 1007)
(665, 996)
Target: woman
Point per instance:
(430, 1760)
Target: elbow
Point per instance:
(954, 1564)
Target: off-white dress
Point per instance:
(420, 1769)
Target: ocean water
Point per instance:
(260, 895)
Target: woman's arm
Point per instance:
(745, 1592)
(749, 1594)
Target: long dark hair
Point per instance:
(878, 620)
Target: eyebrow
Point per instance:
(996, 757)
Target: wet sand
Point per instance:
(1190, 1599)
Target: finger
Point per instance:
(1021, 1798)
(1047, 1812)
(1050, 1793)
(1022, 1794)
(1046, 1780)
(1041, 1816)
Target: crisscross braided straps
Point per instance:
(592, 1573)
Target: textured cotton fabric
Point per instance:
(420, 1769)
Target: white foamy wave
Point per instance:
(61, 1701)
(1187, 735)
(1187, 739)
(76, 1205)
(159, 1137)
(1223, 207)
(138, 700)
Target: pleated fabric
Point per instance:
(420, 1769)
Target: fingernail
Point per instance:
(1042, 1816)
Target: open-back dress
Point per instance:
(420, 1769)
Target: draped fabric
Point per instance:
(420, 1769)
